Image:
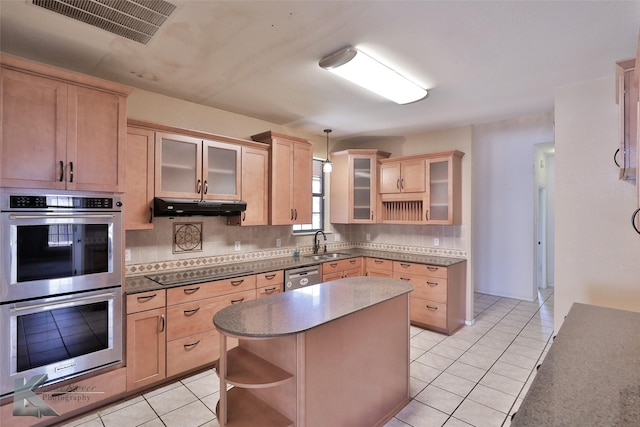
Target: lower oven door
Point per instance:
(59, 336)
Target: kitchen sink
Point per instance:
(323, 257)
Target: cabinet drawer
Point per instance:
(352, 272)
(332, 276)
(375, 272)
(434, 289)
(270, 278)
(265, 291)
(190, 352)
(195, 317)
(145, 301)
(378, 264)
(423, 269)
(428, 312)
(341, 265)
(210, 289)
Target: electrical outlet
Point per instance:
(436, 241)
(278, 243)
(127, 255)
(368, 237)
(237, 245)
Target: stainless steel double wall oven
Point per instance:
(60, 283)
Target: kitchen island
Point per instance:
(333, 354)
(591, 376)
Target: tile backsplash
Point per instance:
(153, 250)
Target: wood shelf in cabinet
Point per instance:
(244, 409)
(245, 369)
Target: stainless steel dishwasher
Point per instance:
(300, 277)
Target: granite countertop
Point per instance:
(591, 376)
(302, 309)
(136, 284)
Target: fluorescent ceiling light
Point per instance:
(359, 68)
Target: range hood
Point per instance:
(186, 207)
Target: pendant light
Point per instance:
(327, 166)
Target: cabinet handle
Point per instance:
(269, 290)
(378, 261)
(426, 215)
(633, 220)
(296, 212)
(398, 183)
(190, 346)
(244, 216)
(150, 215)
(406, 279)
(352, 261)
(206, 187)
(615, 155)
(146, 298)
(270, 276)
(191, 312)
(432, 308)
(432, 268)
(401, 183)
(199, 187)
(237, 282)
(190, 291)
(371, 214)
(432, 284)
(162, 323)
(70, 171)
(334, 264)
(61, 171)
(405, 265)
(292, 214)
(235, 301)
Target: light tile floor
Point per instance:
(476, 377)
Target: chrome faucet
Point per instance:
(316, 242)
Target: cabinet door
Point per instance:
(178, 166)
(363, 190)
(302, 176)
(96, 132)
(412, 176)
(146, 356)
(138, 192)
(255, 181)
(440, 191)
(281, 210)
(221, 171)
(34, 131)
(390, 177)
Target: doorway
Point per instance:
(543, 233)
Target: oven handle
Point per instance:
(66, 301)
(65, 216)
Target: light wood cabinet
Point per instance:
(402, 176)
(255, 186)
(439, 202)
(291, 171)
(627, 100)
(146, 339)
(438, 298)
(378, 267)
(333, 270)
(269, 283)
(355, 202)
(60, 130)
(139, 172)
(194, 168)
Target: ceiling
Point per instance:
(481, 61)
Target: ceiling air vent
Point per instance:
(136, 20)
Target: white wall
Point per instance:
(503, 204)
(597, 251)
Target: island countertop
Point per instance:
(591, 376)
(297, 311)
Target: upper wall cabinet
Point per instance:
(190, 167)
(138, 191)
(60, 130)
(290, 178)
(402, 176)
(255, 183)
(627, 100)
(355, 202)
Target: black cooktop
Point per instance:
(201, 275)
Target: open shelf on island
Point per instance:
(243, 409)
(245, 369)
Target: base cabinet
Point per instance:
(333, 270)
(438, 299)
(378, 267)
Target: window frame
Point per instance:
(299, 229)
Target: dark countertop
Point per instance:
(591, 375)
(297, 311)
(136, 284)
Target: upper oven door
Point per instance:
(45, 254)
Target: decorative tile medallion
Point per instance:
(187, 237)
